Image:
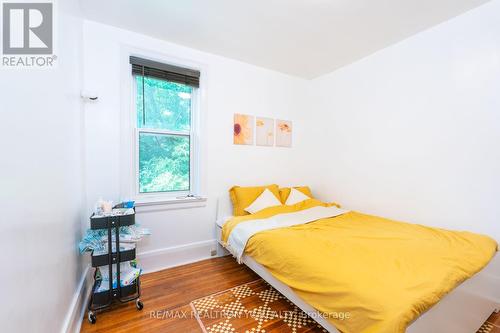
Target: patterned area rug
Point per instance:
(256, 307)
(252, 307)
(492, 324)
(486, 328)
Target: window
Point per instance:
(165, 102)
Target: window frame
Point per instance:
(133, 140)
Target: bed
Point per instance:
(463, 310)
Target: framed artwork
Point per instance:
(283, 133)
(264, 131)
(243, 129)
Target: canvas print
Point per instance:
(243, 129)
(283, 133)
(264, 131)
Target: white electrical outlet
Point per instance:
(213, 253)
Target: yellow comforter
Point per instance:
(366, 273)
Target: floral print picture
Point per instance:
(264, 131)
(283, 133)
(243, 129)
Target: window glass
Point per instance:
(167, 105)
(164, 162)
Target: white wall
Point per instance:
(41, 185)
(408, 133)
(413, 131)
(231, 87)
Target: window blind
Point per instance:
(163, 71)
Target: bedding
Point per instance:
(285, 192)
(221, 221)
(295, 197)
(366, 274)
(265, 200)
(242, 197)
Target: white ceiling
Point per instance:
(306, 38)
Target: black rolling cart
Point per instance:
(104, 299)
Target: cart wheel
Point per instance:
(139, 304)
(91, 317)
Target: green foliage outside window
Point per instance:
(164, 159)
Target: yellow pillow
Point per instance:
(242, 197)
(285, 192)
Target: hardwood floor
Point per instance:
(166, 295)
(170, 291)
(492, 325)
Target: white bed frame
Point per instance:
(463, 310)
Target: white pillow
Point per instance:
(266, 199)
(295, 197)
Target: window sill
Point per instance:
(159, 204)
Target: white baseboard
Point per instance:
(221, 251)
(150, 261)
(78, 305)
(157, 260)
